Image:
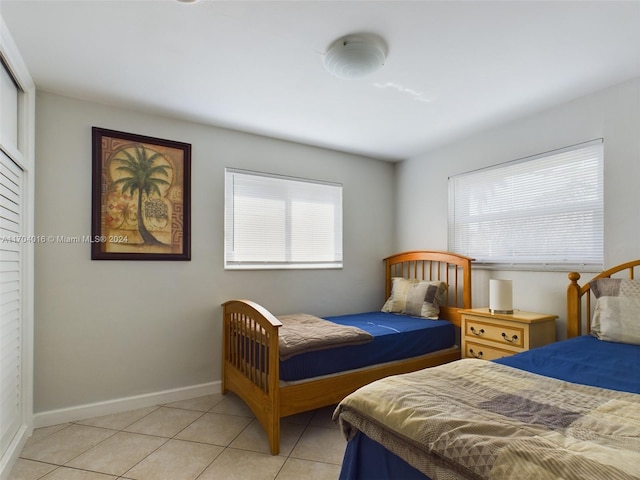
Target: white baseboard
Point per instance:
(82, 412)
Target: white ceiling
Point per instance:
(453, 67)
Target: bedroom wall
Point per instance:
(613, 114)
(110, 330)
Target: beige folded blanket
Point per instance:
(301, 333)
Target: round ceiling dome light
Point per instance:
(355, 56)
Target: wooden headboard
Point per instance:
(451, 268)
(580, 296)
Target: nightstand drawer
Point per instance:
(493, 335)
(485, 352)
(504, 334)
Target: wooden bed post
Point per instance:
(466, 292)
(225, 349)
(387, 273)
(574, 307)
(273, 385)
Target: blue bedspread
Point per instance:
(396, 337)
(585, 360)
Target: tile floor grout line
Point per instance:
(86, 470)
(141, 418)
(146, 456)
(209, 464)
(57, 468)
(68, 424)
(156, 408)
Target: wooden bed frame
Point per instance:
(580, 296)
(253, 373)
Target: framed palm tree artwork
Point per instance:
(141, 197)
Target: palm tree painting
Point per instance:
(141, 197)
(142, 174)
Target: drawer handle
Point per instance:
(512, 339)
(474, 354)
(478, 333)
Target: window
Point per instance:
(275, 222)
(543, 212)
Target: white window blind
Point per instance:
(544, 211)
(10, 299)
(273, 221)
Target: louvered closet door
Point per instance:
(10, 299)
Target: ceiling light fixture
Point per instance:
(355, 56)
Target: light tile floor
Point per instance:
(212, 437)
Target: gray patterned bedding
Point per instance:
(474, 419)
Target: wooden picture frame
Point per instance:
(141, 201)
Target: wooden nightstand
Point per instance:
(490, 336)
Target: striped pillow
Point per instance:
(419, 298)
(617, 313)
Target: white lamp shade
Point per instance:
(500, 296)
(354, 57)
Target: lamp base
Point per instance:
(500, 312)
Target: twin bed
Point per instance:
(264, 365)
(570, 409)
(567, 410)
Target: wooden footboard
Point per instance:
(250, 356)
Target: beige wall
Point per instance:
(612, 114)
(107, 330)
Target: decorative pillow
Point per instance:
(419, 298)
(617, 314)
